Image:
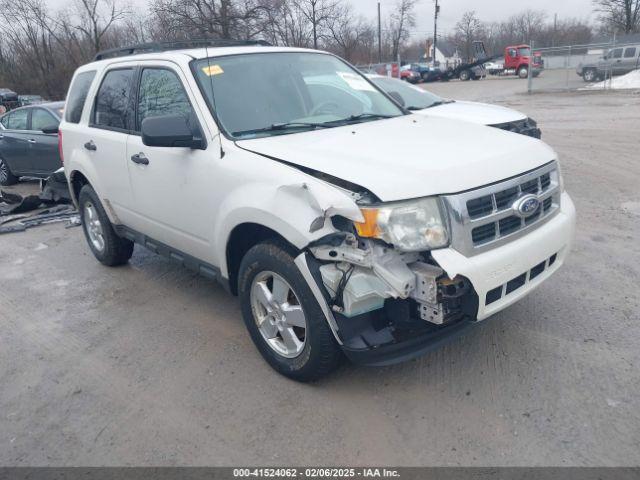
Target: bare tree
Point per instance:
(96, 17)
(400, 23)
(348, 34)
(318, 13)
(619, 15)
(467, 31)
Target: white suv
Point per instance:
(289, 177)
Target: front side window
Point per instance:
(113, 106)
(78, 95)
(630, 52)
(266, 94)
(40, 119)
(617, 53)
(17, 120)
(161, 93)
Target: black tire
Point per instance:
(321, 353)
(523, 72)
(6, 177)
(464, 75)
(116, 250)
(589, 75)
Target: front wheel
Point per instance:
(589, 75)
(523, 72)
(283, 317)
(6, 177)
(465, 75)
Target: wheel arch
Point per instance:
(241, 239)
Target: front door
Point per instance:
(172, 188)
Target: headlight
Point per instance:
(409, 226)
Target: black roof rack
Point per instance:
(179, 45)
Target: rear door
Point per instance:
(615, 59)
(105, 141)
(13, 141)
(43, 147)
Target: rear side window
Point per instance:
(630, 52)
(78, 95)
(17, 120)
(113, 102)
(161, 93)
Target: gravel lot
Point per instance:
(149, 364)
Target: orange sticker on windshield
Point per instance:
(212, 70)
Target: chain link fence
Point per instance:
(598, 66)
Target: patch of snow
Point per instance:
(629, 81)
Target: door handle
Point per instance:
(90, 146)
(31, 140)
(140, 159)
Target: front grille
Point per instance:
(486, 217)
(518, 282)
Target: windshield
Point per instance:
(414, 98)
(264, 94)
(524, 52)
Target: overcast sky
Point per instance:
(487, 10)
(451, 10)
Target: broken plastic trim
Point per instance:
(302, 264)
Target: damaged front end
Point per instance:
(385, 305)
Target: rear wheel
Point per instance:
(6, 177)
(283, 317)
(465, 75)
(105, 244)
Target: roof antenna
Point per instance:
(213, 96)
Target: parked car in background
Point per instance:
(25, 100)
(427, 72)
(29, 142)
(423, 102)
(8, 100)
(617, 61)
(409, 75)
(494, 68)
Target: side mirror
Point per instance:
(397, 97)
(50, 129)
(171, 131)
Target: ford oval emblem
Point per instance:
(526, 206)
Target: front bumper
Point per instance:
(498, 267)
(374, 340)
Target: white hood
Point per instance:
(410, 156)
(474, 112)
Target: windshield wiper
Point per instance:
(360, 116)
(281, 126)
(414, 108)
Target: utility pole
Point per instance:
(435, 32)
(379, 35)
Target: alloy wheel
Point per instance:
(278, 314)
(93, 226)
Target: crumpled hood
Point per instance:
(410, 156)
(482, 113)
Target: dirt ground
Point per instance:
(149, 364)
